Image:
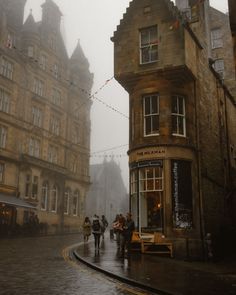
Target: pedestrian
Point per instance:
(104, 225)
(114, 225)
(129, 229)
(96, 229)
(87, 228)
(119, 227)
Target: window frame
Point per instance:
(37, 116)
(44, 196)
(5, 101)
(34, 147)
(151, 115)
(219, 67)
(54, 194)
(178, 115)
(2, 172)
(148, 46)
(3, 137)
(216, 38)
(38, 87)
(7, 68)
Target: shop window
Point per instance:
(151, 115)
(181, 185)
(216, 38)
(54, 196)
(35, 187)
(178, 115)
(4, 101)
(37, 116)
(148, 45)
(44, 196)
(151, 197)
(3, 137)
(6, 68)
(2, 170)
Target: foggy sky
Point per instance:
(93, 23)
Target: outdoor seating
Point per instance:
(158, 246)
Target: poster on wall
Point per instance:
(181, 185)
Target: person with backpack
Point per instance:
(97, 231)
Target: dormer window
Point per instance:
(148, 45)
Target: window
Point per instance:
(11, 40)
(35, 187)
(43, 62)
(216, 38)
(178, 115)
(52, 154)
(148, 45)
(55, 71)
(66, 202)
(151, 114)
(151, 179)
(55, 125)
(133, 182)
(38, 87)
(30, 51)
(52, 43)
(2, 169)
(34, 147)
(44, 197)
(27, 185)
(4, 101)
(75, 200)
(56, 97)
(37, 116)
(3, 137)
(53, 204)
(75, 134)
(219, 67)
(6, 68)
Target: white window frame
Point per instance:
(151, 115)
(34, 147)
(4, 101)
(143, 178)
(54, 198)
(67, 202)
(149, 45)
(216, 38)
(38, 87)
(179, 116)
(6, 68)
(37, 116)
(3, 137)
(44, 196)
(133, 182)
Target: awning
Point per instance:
(11, 200)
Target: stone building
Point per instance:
(107, 195)
(44, 121)
(182, 119)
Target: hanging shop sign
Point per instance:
(181, 184)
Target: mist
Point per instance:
(93, 22)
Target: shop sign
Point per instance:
(181, 183)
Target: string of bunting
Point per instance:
(109, 156)
(10, 45)
(110, 149)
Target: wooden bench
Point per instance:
(138, 238)
(158, 246)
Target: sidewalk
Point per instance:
(160, 275)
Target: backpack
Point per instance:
(96, 225)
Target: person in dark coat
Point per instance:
(129, 228)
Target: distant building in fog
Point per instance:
(107, 194)
(44, 121)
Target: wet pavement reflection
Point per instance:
(41, 266)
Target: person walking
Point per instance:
(104, 225)
(129, 228)
(87, 228)
(97, 231)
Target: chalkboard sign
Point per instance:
(181, 184)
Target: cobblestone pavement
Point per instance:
(32, 266)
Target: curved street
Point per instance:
(43, 265)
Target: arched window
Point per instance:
(67, 201)
(75, 203)
(53, 203)
(44, 196)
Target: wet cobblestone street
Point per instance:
(43, 266)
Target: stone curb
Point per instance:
(121, 278)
